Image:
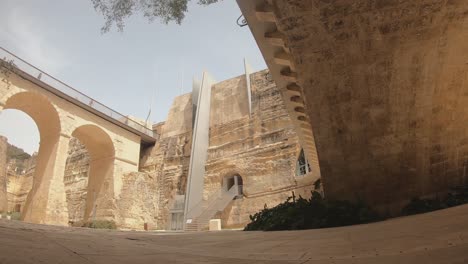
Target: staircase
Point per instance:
(216, 203)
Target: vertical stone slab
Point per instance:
(3, 174)
(46, 202)
(194, 194)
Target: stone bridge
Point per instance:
(60, 112)
(377, 88)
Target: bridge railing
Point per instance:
(56, 84)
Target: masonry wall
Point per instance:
(385, 85)
(76, 180)
(167, 163)
(263, 149)
(3, 174)
(20, 183)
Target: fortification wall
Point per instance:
(167, 163)
(262, 149)
(384, 84)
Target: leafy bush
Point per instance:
(99, 224)
(456, 197)
(13, 215)
(316, 212)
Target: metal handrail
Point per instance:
(58, 85)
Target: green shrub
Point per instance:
(316, 212)
(13, 215)
(99, 224)
(457, 196)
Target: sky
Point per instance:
(122, 69)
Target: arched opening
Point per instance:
(101, 152)
(232, 186)
(302, 164)
(17, 160)
(45, 116)
(234, 183)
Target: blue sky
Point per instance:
(122, 70)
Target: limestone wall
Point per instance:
(20, 182)
(384, 83)
(76, 180)
(262, 149)
(229, 101)
(3, 175)
(167, 163)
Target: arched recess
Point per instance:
(101, 169)
(39, 207)
(232, 183)
(233, 180)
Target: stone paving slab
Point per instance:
(437, 237)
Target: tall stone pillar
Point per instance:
(3, 174)
(46, 202)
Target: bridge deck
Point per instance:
(62, 90)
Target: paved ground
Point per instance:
(438, 237)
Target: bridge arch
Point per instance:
(39, 205)
(40, 109)
(101, 150)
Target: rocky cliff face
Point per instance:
(76, 180)
(20, 181)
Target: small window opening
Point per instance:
(302, 165)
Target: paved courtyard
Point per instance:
(438, 237)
